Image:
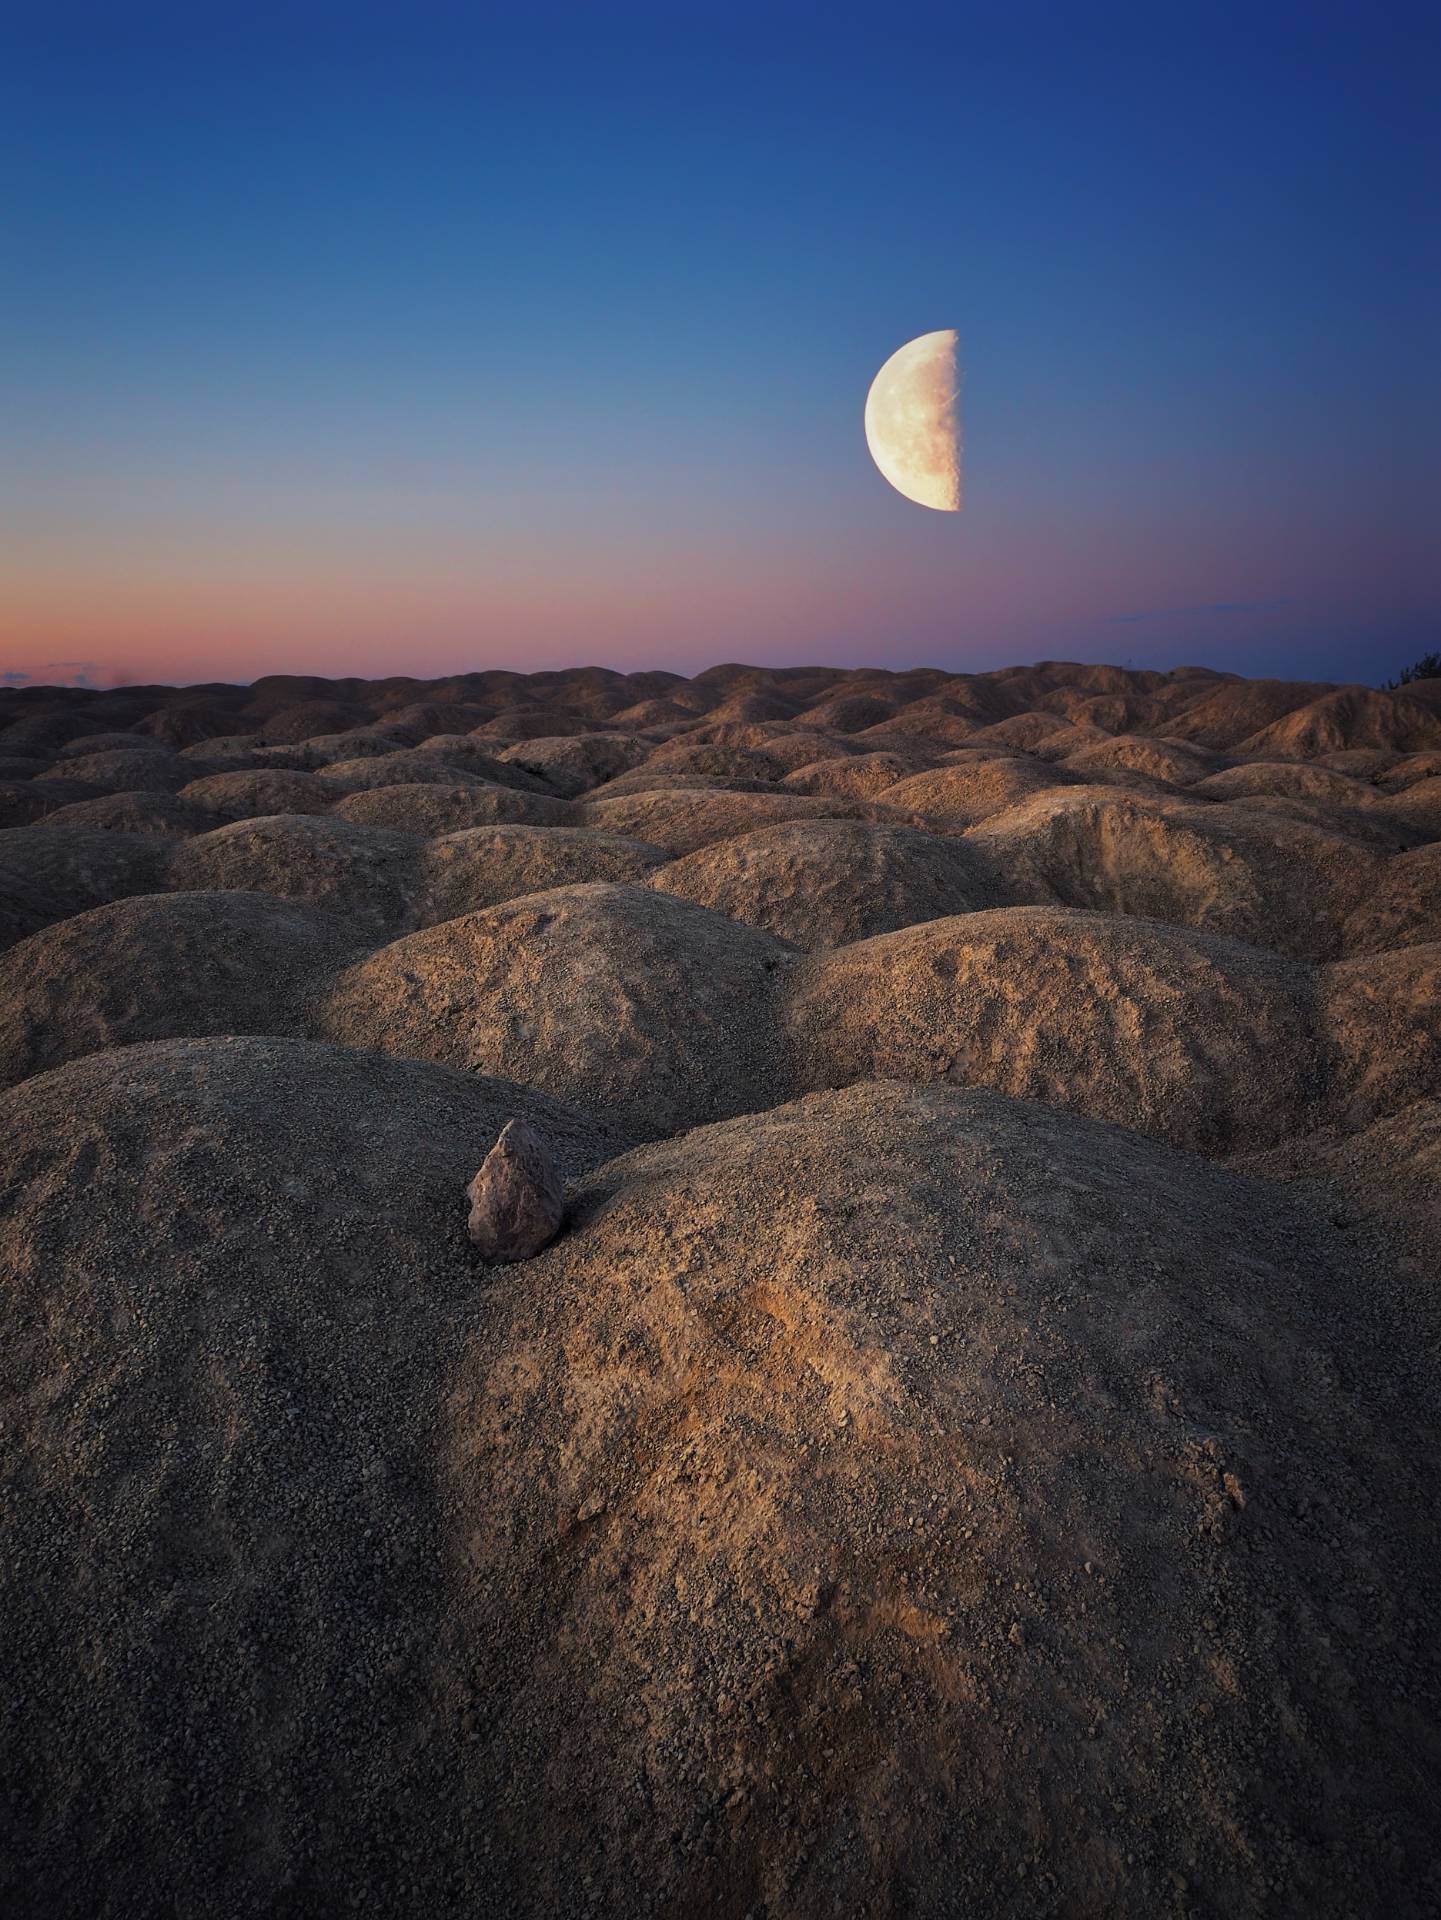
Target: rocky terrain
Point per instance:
(972, 1446)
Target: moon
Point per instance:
(913, 421)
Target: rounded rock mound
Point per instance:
(251, 793)
(131, 769)
(901, 1491)
(1203, 1042)
(969, 791)
(1274, 882)
(81, 867)
(824, 883)
(1383, 1031)
(368, 874)
(1403, 910)
(482, 866)
(157, 813)
(161, 966)
(429, 810)
(681, 820)
(617, 999)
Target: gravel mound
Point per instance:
(683, 820)
(1274, 882)
(1383, 1031)
(1402, 910)
(251, 793)
(76, 868)
(1199, 1041)
(622, 1001)
(964, 793)
(1348, 717)
(419, 766)
(862, 776)
(482, 866)
(155, 813)
(900, 1499)
(425, 809)
(575, 763)
(368, 874)
(824, 883)
(1168, 761)
(163, 966)
(132, 769)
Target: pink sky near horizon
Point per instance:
(186, 609)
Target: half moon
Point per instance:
(913, 421)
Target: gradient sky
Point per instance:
(369, 339)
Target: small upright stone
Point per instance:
(516, 1200)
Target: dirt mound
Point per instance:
(1164, 760)
(1402, 910)
(1408, 771)
(19, 766)
(132, 769)
(1383, 1032)
(1349, 717)
(1280, 885)
(1288, 779)
(80, 867)
(577, 762)
(1200, 1041)
(926, 1527)
(531, 723)
(782, 747)
(24, 801)
(851, 712)
(650, 714)
(1417, 808)
(824, 883)
(964, 793)
(307, 718)
(626, 1002)
(681, 821)
(1024, 731)
(482, 866)
(418, 767)
(88, 745)
(25, 907)
(162, 966)
(368, 874)
(688, 755)
(159, 813)
(226, 1415)
(428, 810)
(1238, 709)
(861, 776)
(251, 793)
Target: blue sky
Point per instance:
(371, 339)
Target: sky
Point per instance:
(379, 339)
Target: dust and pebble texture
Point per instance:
(365, 873)
(1203, 1042)
(161, 965)
(911, 1498)
(1403, 910)
(1273, 883)
(825, 883)
(482, 866)
(623, 1001)
(930, 1472)
(434, 810)
(251, 793)
(682, 820)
